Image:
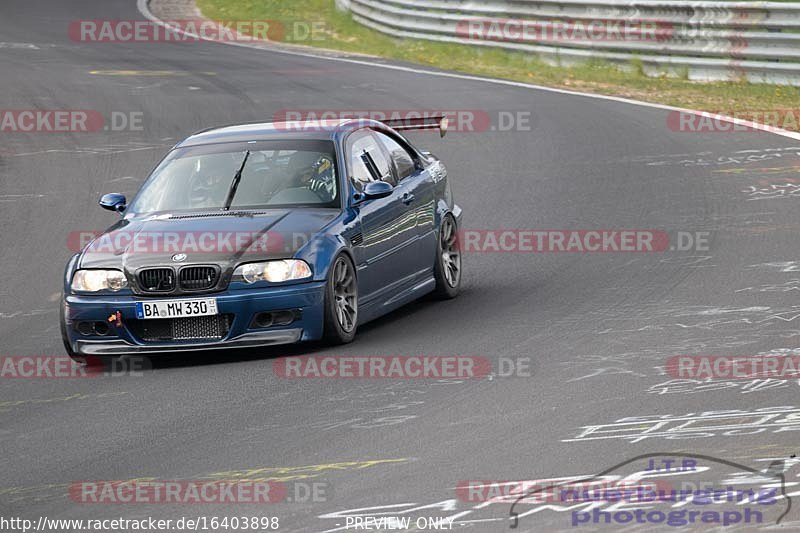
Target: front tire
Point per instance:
(341, 302)
(447, 270)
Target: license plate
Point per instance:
(176, 308)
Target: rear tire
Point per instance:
(447, 269)
(341, 302)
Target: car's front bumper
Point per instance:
(242, 305)
(248, 340)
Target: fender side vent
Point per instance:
(357, 239)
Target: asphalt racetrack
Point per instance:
(597, 329)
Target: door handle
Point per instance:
(408, 198)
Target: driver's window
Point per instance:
(403, 162)
(368, 162)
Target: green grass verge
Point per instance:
(341, 32)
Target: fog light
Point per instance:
(283, 318)
(101, 328)
(85, 328)
(263, 320)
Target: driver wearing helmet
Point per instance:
(312, 171)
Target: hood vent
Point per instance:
(241, 214)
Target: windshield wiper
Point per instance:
(235, 183)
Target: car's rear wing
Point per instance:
(439, 122)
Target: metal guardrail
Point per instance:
(757, 41)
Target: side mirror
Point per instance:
(377, 189)
(113, 202)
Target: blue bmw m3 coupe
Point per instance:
(264, 234)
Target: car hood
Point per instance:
(204, 238)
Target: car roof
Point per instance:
(276, 131)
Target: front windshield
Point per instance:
(275, 174)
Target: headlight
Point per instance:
(273, 271)
(98, 280)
